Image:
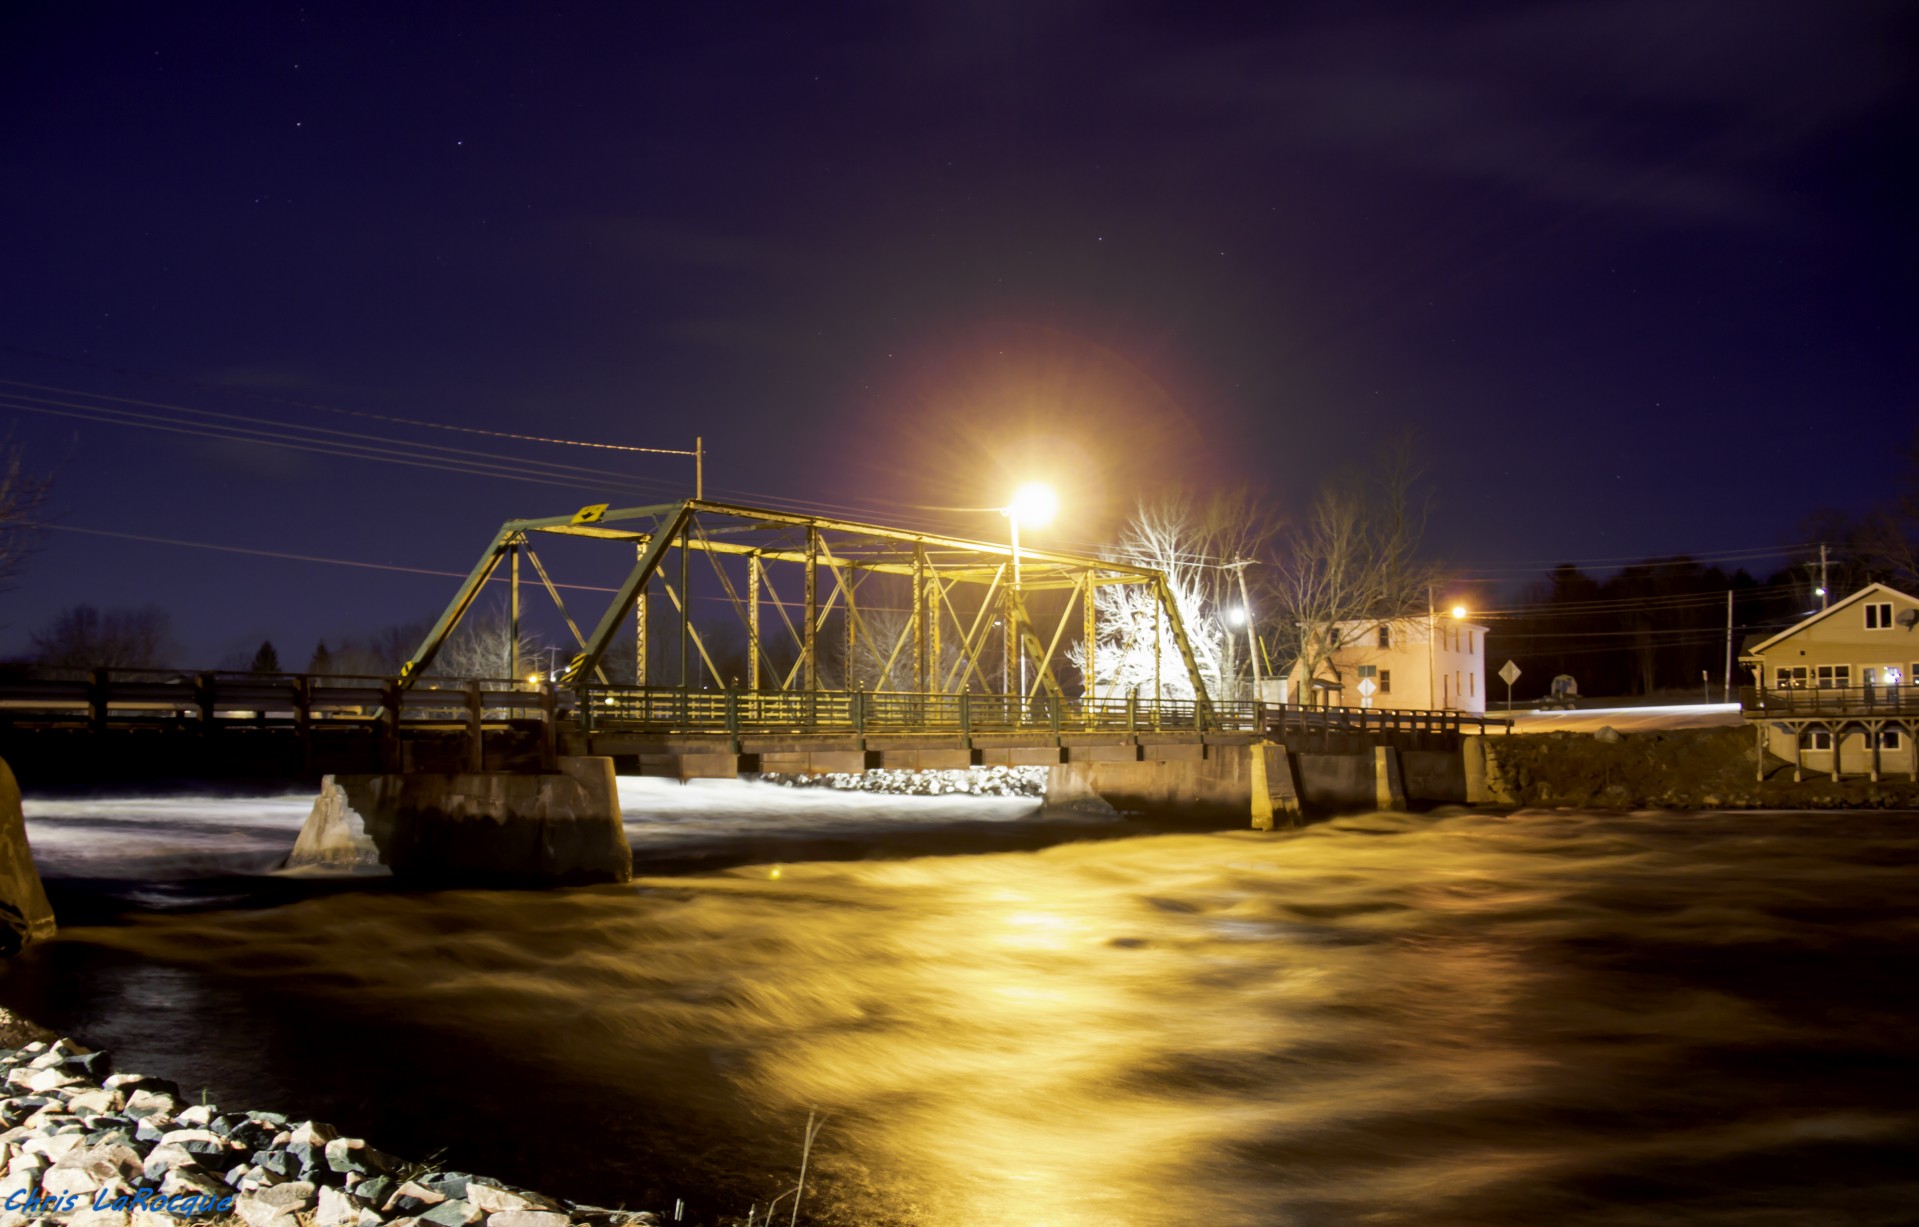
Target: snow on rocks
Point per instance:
(973, 781)
(88, 1147)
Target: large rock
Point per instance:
(25, 914)
(482, 828)
(334, 836)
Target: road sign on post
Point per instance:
(1510, 672)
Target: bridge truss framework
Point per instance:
(833, 558)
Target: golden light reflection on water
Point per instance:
(1386, 1019)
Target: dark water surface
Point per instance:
(1548, 1017)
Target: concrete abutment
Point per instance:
(480, 828)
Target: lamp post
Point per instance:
(1246, 611)
(1036, 504)
(1433, 671)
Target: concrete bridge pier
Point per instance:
(1270, 785)
(479, 828)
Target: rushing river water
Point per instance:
(1537, 1018)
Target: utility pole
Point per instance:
(699, 468)
(1728, 691)
(1822, 575)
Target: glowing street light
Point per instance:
(1459, 612)
(1035, 503)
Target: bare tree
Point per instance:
(83, 637)
(481, 648)
(22, 496)
(1353, 559)
(883, 652)
(1888, 537)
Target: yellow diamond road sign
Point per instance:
(1509, 672)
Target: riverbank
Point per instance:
(95, 1148)
(1680, 769)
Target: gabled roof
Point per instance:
(1827, 612)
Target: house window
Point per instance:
(1472, 684)
(1834, 677)
(1816, 739)
(1385, 636)
(1790, 677)
(1385, 681)
(1888, 739)
(1879, 616)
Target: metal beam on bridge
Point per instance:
(943, 580)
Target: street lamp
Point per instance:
(1433, 674)
(1243, 616)
(1036, 504)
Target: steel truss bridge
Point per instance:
(918, 613)
(863, 646)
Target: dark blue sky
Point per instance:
(1641, 273)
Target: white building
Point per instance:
(1428, 663)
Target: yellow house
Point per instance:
(1433, 663)
(1836, 692)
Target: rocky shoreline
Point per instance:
(89, 1147)
(1673, 769)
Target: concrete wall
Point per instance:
(484, 828)
(1219, 787)
(25, 914)
(1437, 777)
(1213, 787)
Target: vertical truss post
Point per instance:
(639, 624)
(919, 619)
(933, 658)
(686, 605)
(1158, 646)
(852, 632)
(809, 649)
(753, 565)
(513, 613)
(1009, 641)
(1089, 631)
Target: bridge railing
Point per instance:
(169, 698)
(1283, 720)
(656, 708)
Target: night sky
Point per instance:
(1640, 274)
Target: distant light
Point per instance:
(1819, 592)
(775, 872)
(1033, 503)
(532, 679)
(1459, 611)
(1235, 616)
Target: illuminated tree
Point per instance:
(1192, 541)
